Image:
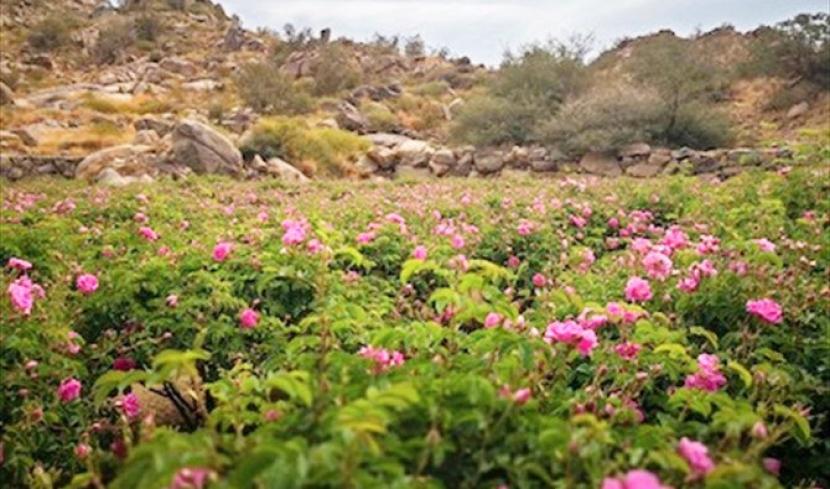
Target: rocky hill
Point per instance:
(177, 86)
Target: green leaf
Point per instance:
(742, 372)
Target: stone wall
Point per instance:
(15, 167)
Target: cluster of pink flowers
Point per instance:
(708, 376)
(572, 333)
(383, 359)
(696, 455)
(765, 245)
(634, 479)
(638, 290)
(23, 293)
(628, 350)
(708, 245)
(675, 238)
(620, 313)
(658, 266)
(148, 233)
(525, 228)
(697, 272)
(766, 310)
(295, 231)
(86, 283)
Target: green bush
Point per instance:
(335, 71)
(380, 118)
(53, 32)
(292, 139)
(603, 119)
(487, 120)
(266, 89)
(528, 89)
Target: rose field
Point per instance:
(566, 332)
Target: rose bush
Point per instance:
(553, 333)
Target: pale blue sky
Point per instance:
(483, 29)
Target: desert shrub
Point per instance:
(292, 139)
(488, 120)
(335, 71)
(53, 32)
(529, 88)
(266, 89)
(380, 118)
(113, 40)
(698, 126)
(148, 27)
(603, 119)
(798, 48)
(433, 89)
(687, 83)
(414, 46)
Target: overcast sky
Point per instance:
(483, 29)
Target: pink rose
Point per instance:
(696, 455)
(130, 406)
(19, 264)
(420, 253)
(221, 251)
(658, 265)
(637, 290)
(539, 280)
(69, 390)
(148, 233)
(86, 283)
(766, 310)
(248, 319)
(492, 320)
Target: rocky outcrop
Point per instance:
(6, 95)
(349, 118)
(204, 150)
(125, 160)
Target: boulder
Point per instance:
(599, 163)
(382, 156)
(205, 150)
(542, 160)
(442, 162)
(284, 171)
(26, 136)
(635, 150)
(682, 153)
(6, 95)
(517, 157)
(388, 140)
(464, 163)
(798, 110)
(179, 66)
(488, 161)
(161, 126)
(126, 160)
(146, 137)
(112, 178)
(643, 170)
(349, 118)
(204, 85)
(365, 166)
(414, 153)
(660, 156)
